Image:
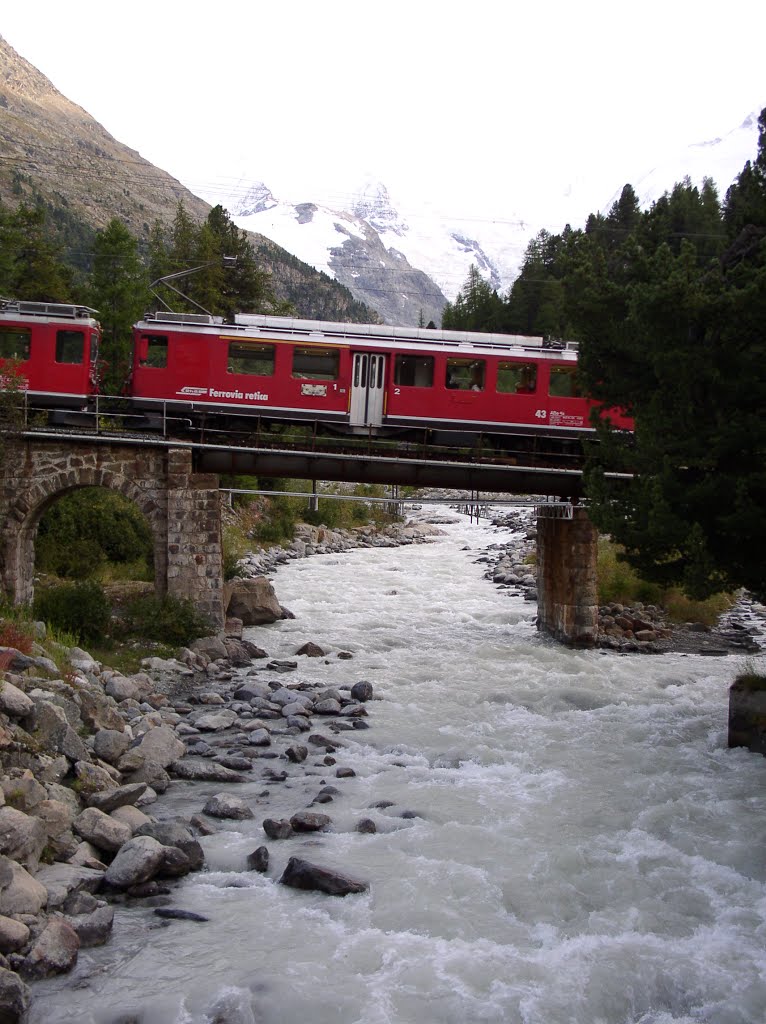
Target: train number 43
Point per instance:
(541, 414)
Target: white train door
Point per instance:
(367, 389)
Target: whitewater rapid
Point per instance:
(580, 845)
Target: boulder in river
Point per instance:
(301, 874)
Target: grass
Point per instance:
(619, 583)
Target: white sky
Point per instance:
(475, 108)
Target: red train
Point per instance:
(351, 378)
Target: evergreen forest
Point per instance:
(669, 308)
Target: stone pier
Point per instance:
(567, 595)
(181, 507)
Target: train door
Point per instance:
(368, 389)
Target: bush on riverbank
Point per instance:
(81, 609)
(618, 582)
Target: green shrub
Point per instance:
(81, 609)
(173, 621)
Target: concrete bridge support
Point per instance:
(567, 596)
(181, 507)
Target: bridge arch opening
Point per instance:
(28, 511)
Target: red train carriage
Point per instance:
(55, 348)
(360, 378)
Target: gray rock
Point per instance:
(23, 791)
(277, 829)
(327, 707)
(310, 821)
(160, 745)
(63, 880)
(123, 796)
(215, 721)
(14, 935)
(14, 702)
(301, 874)
(14, 998)
(22, 837)
(366, 825)
(131, 816)
(110, 745)
(311, 650)
(20, 893)
(297, 753)
(55, 950)
(224, 806)
(53, 732)
(362, 690)
(93, 928)
(204, 771)
(103, 831)
(258, 860)
(210, 646)
(137, 861)
(172, 833)
(253, 601)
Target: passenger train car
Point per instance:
(53, 347)
(344, 378)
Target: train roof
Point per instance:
(254, 325)
(21, 309)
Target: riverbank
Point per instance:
(87, 754)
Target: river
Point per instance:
(581, 847)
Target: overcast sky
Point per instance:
(478, 108)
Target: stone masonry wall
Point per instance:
(174, 501)
(566, 578)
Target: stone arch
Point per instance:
(28, 508)
(182, 509)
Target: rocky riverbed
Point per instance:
(628, 629)
(87, 754)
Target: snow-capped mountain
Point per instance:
(405, 259)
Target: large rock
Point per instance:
(23, 791)
(174, 834)
(215, 721)
(103, 831)
(14, 935)
(223, 805)
(95, 928)
(123, 796)
(22, 837)
(53, 732)
(204, 771)
(14, 998)
(138, 860)
(253, 601)
(14, 702)
(55, 950)
(110, 744)
(301, 874)
(99, 712)
(211, 647)
(62, 880)
(56, 816)
(160, 745)
(20, 893)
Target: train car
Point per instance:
(54, 349)
(360, 378)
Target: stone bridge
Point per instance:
(181, 507)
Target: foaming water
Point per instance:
(579, 846)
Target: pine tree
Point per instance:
(119, 291)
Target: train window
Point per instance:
(153, 351)
(564, 383)
(93, 348)
(70, 346)
(14, 343)
(315, 363)
(414, 371)
(465, 374)
(248, 358)
(516, 378)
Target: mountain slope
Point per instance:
(53, 153)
